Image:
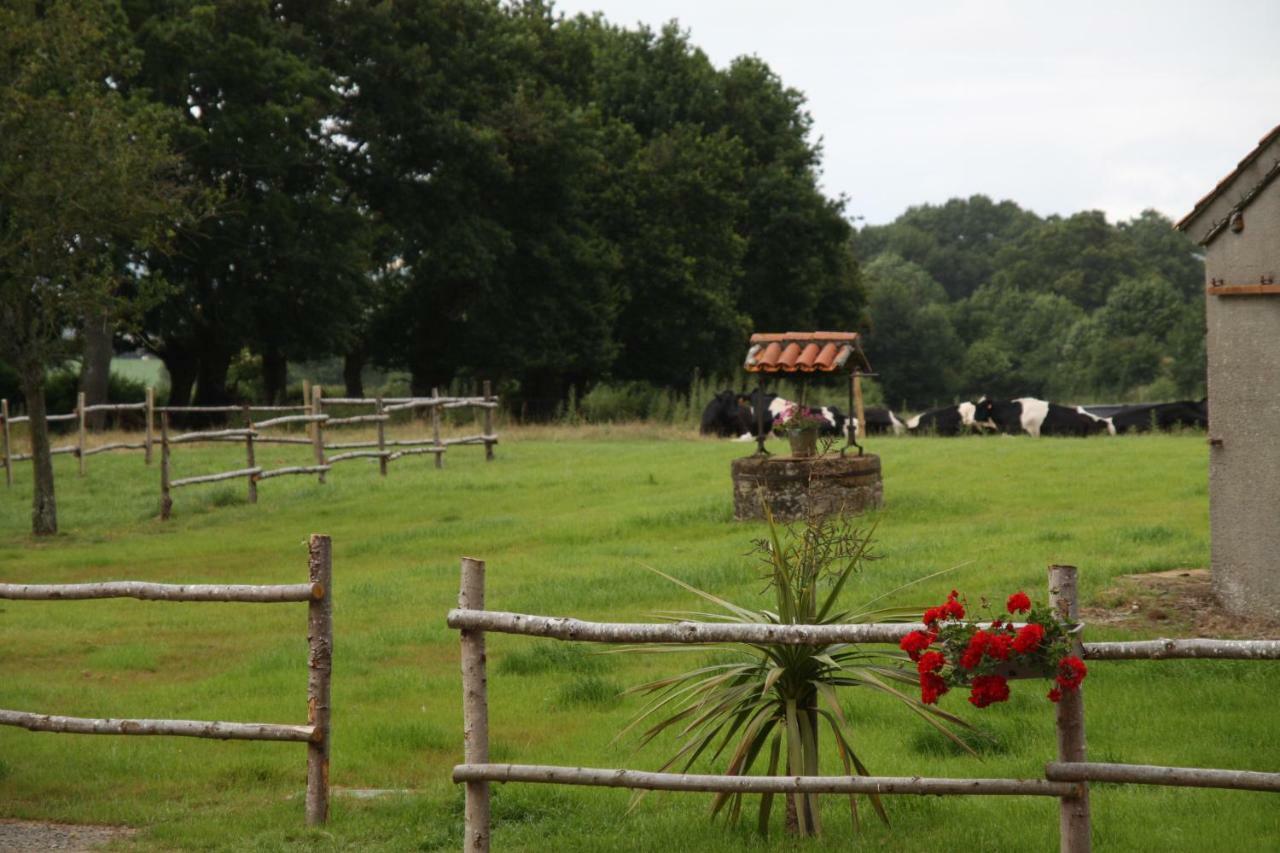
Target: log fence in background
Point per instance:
(318, 593)
(1067, 778)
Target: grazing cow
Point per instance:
(1036, 417)
(949, 420)
(1184, 413)
(879, 422)
(773, 407)
(1107, 423)
(725, 416)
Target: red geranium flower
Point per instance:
(1071, 671)
(915, 643)
(1029, 637)
(930, 662)
(932, 615)
(1055, 694)
(1018, 603)
(953, 608)
(988, 689)
(931, 687)
(998, 646)
(973, 653)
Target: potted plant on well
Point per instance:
(799, 425)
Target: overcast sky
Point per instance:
(1059, 106)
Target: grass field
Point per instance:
(567, 521)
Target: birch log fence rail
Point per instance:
(317, 593)
(311, 414)
(1067, 778)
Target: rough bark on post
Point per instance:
(249, 455)
(6, 438)
(151, 416)
(80, 432)
(488, 421)
(166, 502)
(306, 407)
(859, 411)
(319, 672)
(317, 436)
(435, 428)
(44, 504)
(475, 708)
(1074, 823)
(382, 437)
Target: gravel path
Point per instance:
(24, 836)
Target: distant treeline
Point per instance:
(469, 189)
(975, 297)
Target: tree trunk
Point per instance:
(275, 374)
(44, 508)
(211, 378)
(353, 372)
(181, 368)
(95, 367)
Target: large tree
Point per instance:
(84, 170)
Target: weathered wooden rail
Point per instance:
(251, 433)
(1067, 778)
(318, 593)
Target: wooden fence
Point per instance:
(318, 594)
(312, 414)
(1067, 778)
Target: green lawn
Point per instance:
(567, 527)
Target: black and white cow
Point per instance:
(948, 420)
(1184, 413)
(726, 416)
(879, 422)
(773, 407)
(1036, 417)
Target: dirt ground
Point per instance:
(26, 836)
(1176, 603)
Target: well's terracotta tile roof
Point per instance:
(1218, 190)
(801, 352)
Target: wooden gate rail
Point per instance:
(318, 594)
(1067, 778)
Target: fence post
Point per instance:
(382, 438)
(1074, 823)
(319, 671)
(435, 427)
(166, 503)
(80, 436)
(475, 708)
(317, 437)
(151, 415)
(5, 437)
(488, 421)
(249, 456)
(306, 408)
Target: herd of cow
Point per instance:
(745, 416)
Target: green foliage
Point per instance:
(778, 695)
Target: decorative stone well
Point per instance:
(795, 487)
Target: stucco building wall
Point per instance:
(1244, 396)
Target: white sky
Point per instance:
(1059, 106)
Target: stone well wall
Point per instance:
(797, 486)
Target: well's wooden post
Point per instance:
(1074, 824)
(488, 421)
(6, 438)
(166, 502)
(475, 708)
(80, 435)
(435, 427)
(151, 419)
(317, 436)
(319, 671)
(249, 455)
(382, 437)
(858, 411)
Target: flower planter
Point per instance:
(804, 442)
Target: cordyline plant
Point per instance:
(767, 705)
